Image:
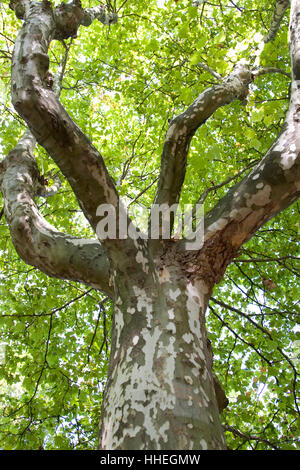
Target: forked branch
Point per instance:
(37, 242)
(36, 101)
(181, 130)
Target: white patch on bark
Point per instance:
(261, 198)
(188, 379)
(171, 327)
(163, 431)
(171, 313)
(135, 340)
(119, 323)
(144, 302)
(140, 258)
(203, 444)
(173, 294)
(288, 159)
(188, 337)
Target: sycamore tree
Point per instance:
(172, 338)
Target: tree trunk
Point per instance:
(160, 392)
(160, 389)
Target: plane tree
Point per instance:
(117, 110)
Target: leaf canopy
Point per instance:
(122, 85)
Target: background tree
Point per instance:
(213, 82)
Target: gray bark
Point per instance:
(37, 242)
(48, 121)
(280, 8)
(161, 392)
(183, 127)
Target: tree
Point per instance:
(205, 87)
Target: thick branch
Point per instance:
(20, 7)
(37, 103)
(98, 13)
(184, 126)
(271, 186)
(267, 70)
(36, 241)
(279, 11)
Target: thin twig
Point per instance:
(248, 437)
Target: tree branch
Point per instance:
(248, 437)
(37, 103)
(279, 11)
(224, 183)
(267, 70)
(238, 336)
(37, 242)
(268, 334)
(272, 185)
(183, 127)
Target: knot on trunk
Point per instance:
(18, 7)
(239, 80)
(68, 18)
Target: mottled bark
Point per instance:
(182, 128)
(160, 392)
(280, 8)
(37, 242)
(37, 103)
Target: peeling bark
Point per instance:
(38, 104)
(37, 242)
(182, 128)
(279, 11)
(161, 392)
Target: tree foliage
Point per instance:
(122, 85)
